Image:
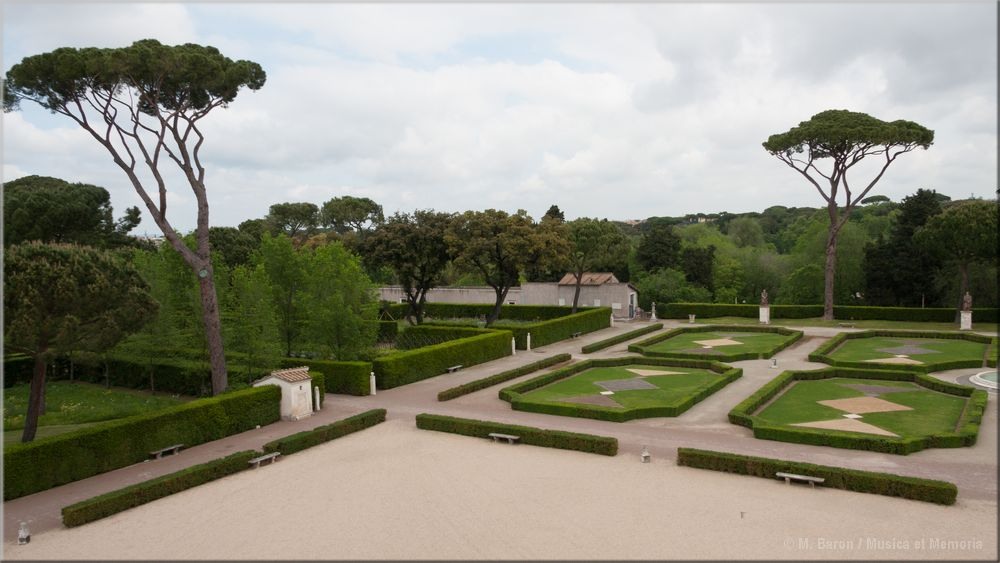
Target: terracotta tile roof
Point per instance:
(292, 375)
(589, 278)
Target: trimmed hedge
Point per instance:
(387, 330)
(547, 332)
(821, 354)
(50, 462)
(345, 378)
(640, 347)
(136, 495)
(915, 488)
(509, 312)
(428, 334)
(743, 414)
(472, 386)
(409, 366)
(532, 436)
(609, 342)
(309, 438)
(514, 394)
(843, 312)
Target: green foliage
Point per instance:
(50, 462)
(668, 286)
(322, 434)
(348, 213)
(594, 243)
(915, 488)
(286, 269)
(294, 220)
(235, 246)
(346, 378)
(668, 406)
(339, 301)
(659, 248)
(963, 233)
(912, 314)
(532, 436)
(428, 335)
(508, 312)
(252, 322)
(609, 342)
(414, 365)
(825, 353)
(479, 384)
(554, 323)
(40, 208)
(120, 500)
(684, 337)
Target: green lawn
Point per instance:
(751, 342)
(944, 350)
(70, 404)
(818, 322)
(932, 412)
(671, 389)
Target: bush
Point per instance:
(387, 330)
(135, 495)
(345, 378)
(743, 414)
(822, 354)
(50, 462)
(309, 438)
(501, 377)
(609, 342)
(547, 332)
(642, 346)
(514, 394)
(915, 488)
(845, 312)
(508, 312)
(429, 334)
(414, 365)
(589, 443)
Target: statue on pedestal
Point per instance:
(763, 298)
(967, 302)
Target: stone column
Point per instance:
(316, 400)
(528, 347)
(371, 382)
(652, 316)
(513, 346)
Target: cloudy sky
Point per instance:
(617, 111)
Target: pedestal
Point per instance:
(765, 315)
(966, 320)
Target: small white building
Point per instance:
(296, 391)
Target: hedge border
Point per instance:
(345, 378)
(479, 384)
(821, 354)
(743, 414)
(589, 443)
(410, 366)
(515, 393)
(641, 347)
(844, 312)
(322, 434)
(888, 484)
(138, 494)
(609, 342)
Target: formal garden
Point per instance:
(920, 351)
(724, 343)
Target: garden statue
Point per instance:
(763, 298)
(967, 302)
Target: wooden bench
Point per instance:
(453, 369)
(169, 449)
(846, 325)
(498, 436)
(789, 476)
(266, 457)
(576, 334)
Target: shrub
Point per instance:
(547, 332)
(135, 495)
(515, 393)
(309, 438)
(49, 462)
(743, 414)
(609, 342)
(345, 378)
(642, 346)
(418, 364)
(428, 334)
(822, 354)
(915, 488)
(501, 377)
(509, 312)
(846, 312)
(589, 443)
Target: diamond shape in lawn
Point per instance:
(848, 425)
(718, 342)
(626, 384)
(862, 405)
(651, 372)
(895, 360)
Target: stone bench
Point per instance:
(789, 476)
(845, 325)
(453, 369)
(576, 334)
(270, 458)
(509, 437)
(169, 449)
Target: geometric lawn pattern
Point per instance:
(850, 425)
(652, 372)
(906, 350)
(895, 360)
(625, 384)
(598, 400)
(863, 405)
(875, 390)
(718, 342)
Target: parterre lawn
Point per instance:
(945, 350)
(671, 389)
(756, 342)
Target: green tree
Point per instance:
(554, 213)
(496, 245)
(294, 220)
(144, 104)
(698, 265)
(745, 231)
(339, 301)
(53, 210)
(348, 213)
(845, 138)
(594, 243)
(235, 246)
(285, 269)
(414, 247)
(64, 298)
(252, 321)
(963, 233)
(659, 248)
(669, 285)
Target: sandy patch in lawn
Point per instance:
(848, 424)
(862, 405)
(649, 372)
(718, 342)
(895, 361)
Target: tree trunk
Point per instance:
(213, 330)
(830, 270)
(576, 293)
(495, 313)
(35, 399)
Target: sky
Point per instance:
(618, 111)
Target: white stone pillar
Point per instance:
(690, 319)
(528, 347)
(652, 317)
(513, 346)
(612, 323)
(765, 315)
(966, 320)
(316, 400)
(371, 382)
